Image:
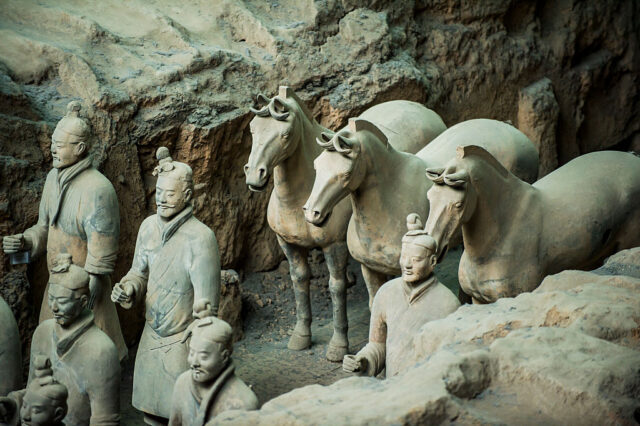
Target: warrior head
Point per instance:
(45, 402)
(174, 187)
(418, 256)
(69, 142)
(210, 347)
(68, 290)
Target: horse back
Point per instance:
(408, 126)
(591, 209)
(508, 145)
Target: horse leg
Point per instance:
(373, 280)
(300, 275)
(336, 256)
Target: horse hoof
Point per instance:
(336, 353)
(299, 343)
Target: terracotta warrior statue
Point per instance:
(42, 403)
(211, 386)
(176, 266)
(83, 358)
(403, 305)
(78, 215)
(10, 351)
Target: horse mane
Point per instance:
(286, 92)
(358, 124)
(474, 150)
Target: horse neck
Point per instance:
(384, 164)
(293, 178)
(499, 197)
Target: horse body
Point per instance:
(284, 133)
(385, 186)
(506, 143)
(515, 234)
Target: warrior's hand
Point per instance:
(15, 243)
(354, 363)
(122, 293)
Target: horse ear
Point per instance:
(285, 92)
(325, 141)
(280, 106)
(345, 145)
(457, 179)
(435, 174)
(359, 124)
(262, 100)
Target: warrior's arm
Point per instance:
(102, 226)
(138, 275)
(376, 350)
(204, 271)
(36, 236)
(104, 390)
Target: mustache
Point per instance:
(165, 205)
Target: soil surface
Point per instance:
(262, 359)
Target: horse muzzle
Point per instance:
(315, 217)
(256, 180)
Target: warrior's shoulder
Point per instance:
(199, 230)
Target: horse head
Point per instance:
(340, 168)
(275, 132)
(452, 201)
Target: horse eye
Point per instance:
(458, 204)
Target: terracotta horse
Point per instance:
(284, 134)
(515, 233)
(386, 185)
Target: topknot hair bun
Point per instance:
(414, 223)
(162, 153)
(73, 109)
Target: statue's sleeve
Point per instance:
(39, 232)
(376, 350)
(180, 392)
(204, 270)
(104, 391)
(138, 275)
(102, 227)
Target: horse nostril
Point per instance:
(261, 172)
(305, 208)
(246, 169)
(316, 214)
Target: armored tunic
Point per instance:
(174, 264)
(79, 215)
(398, 312)
(85, 360)
(227, 392)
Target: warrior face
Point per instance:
(66, 304)
(417, 262)
(206, 359)
(65, 149)
(172, 196)
(39, 410)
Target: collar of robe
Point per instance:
(63, 179)
(414, 293)
(64, 338)
(206, 401)
(170, 228)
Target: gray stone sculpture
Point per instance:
(284, 133)
(10, 351)
(78, 215)
(42, 403)
(83, 358)
(383, 182)
(515, 234)
(403, 305)
(211, 386)
(176, 267)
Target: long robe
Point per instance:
(79, 215)
(399, 311)
(85, 360)
(10, 351)
(174, 264)
(227, 392)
